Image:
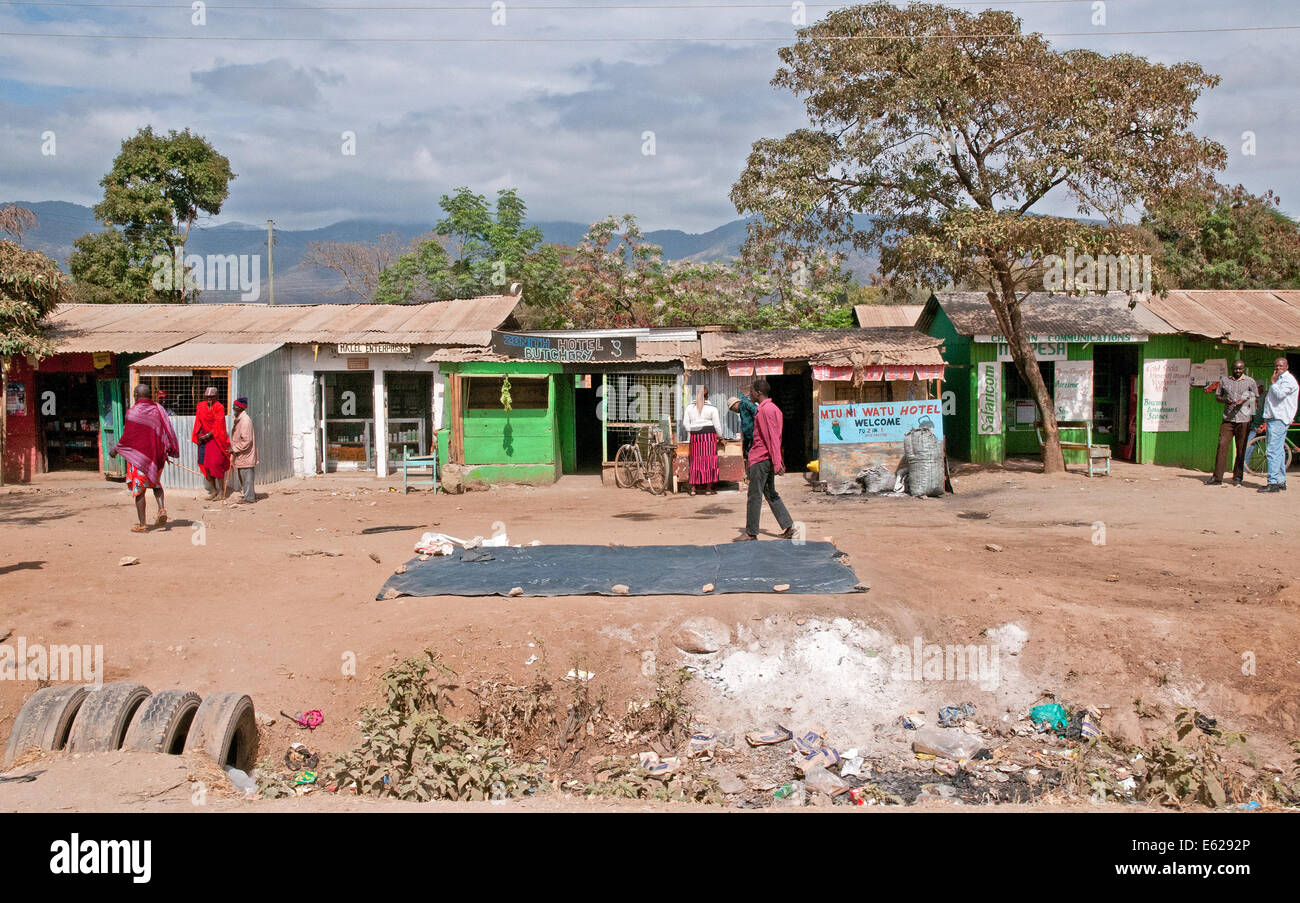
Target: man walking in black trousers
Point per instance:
(764, 464)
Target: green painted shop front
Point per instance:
(986, 428)
(532, 442)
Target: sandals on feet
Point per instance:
(139, 528)
(162, 518)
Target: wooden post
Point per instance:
(4, 413)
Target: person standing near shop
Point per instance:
(243, 448)
(765, 463)
(746, 409)
(1237, 394)
(704, 426)
(209, 434)
(148, 440)
(1279, 411)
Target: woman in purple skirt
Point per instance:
(704, 425)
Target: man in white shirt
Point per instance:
(1279, 411)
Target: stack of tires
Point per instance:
(126, 715)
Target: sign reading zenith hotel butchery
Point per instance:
(563, 349)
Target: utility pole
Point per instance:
(270, 255)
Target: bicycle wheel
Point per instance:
(656, 474)
(1257, 456)
(627, 467)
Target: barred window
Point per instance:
(179, 394)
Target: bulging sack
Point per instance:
(923, 453)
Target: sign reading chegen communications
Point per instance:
(564, 349)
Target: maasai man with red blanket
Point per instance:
(148, 440)
(209, 434)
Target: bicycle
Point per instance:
(1257, 455)
(651, 470)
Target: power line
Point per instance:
(783, 7)
(645, 39)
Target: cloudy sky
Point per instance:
(553, 102)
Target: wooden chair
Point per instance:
(419, 462)
(1098, 455)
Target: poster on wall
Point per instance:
(1210, 371)
(873, 422)
(988, 399)
(1073, 394)
(1166, 389)
(16, 399)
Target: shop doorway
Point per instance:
(69, 417)
(588, 454)
(410, 414)
(792, 393)
(1114, 399)
(1021, 410)
(347, 419)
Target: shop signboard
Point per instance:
(1166, 390)
(1073, 392)
(989, 399)
(875, 422)
(564, 349)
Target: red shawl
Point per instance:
(148, 439)
(216, 455)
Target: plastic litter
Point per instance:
(1053, 715)
(817, 778)
(240, 779)
(954, 715)
(947, 744)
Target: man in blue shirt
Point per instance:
(746, 409)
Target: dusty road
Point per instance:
(1145, 584)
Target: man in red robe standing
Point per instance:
(148, 440)
(210, 436)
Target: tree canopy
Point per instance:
(948, 128)
(31, 286)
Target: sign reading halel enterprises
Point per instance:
(563, 349)
(872, 422)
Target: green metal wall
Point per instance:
(1196, 448)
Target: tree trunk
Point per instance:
(4, 413)
(1007, 309)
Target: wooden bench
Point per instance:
(419, 462)
(1098, 455)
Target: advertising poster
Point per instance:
(1166, 390)
(1073, 393)
(876, 422)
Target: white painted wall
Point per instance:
(304, 365)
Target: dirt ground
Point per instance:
(1142, 585)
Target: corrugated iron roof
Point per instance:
(152, 327)
(877, 345)
(1046, 314)
(202, 355)
(869, 315)
(1257, 317)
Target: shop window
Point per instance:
(484, 393)
(179, 394)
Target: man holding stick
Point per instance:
(148, 440)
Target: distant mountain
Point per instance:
(60, 223)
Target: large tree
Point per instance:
(1216, 237)
(950, 129)
(31, 286)
(157, 188)
(359, 263)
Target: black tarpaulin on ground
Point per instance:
(743, 567)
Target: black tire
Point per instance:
(101, 724)
(162, 724)
(45, 720)
(225, 730)
(627, 472)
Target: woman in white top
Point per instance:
(705, 426)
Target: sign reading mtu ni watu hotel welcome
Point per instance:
(564, 349)
(876, 422)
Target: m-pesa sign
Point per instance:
(874, 422)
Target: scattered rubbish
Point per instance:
(310, 720)
(702, 742)
(780, 587)
(1053, 715)
(309, 553)
(791, 794)
(393, 529)
(1112, 578)
(775, 735)
(707, 588)
(651, 764)
(240, 779)
(299, 758)
(619, 589)
(531, 660)
(374, 557)
(993, 547)
(954, 715)
(912, 721)
(1250, 806)
(575, 674)
(851, 766)
(1206, 724)
(304, 778)
(943, 766)
(517, 591)
(947, 744)
(127, 561)
(817, 778)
